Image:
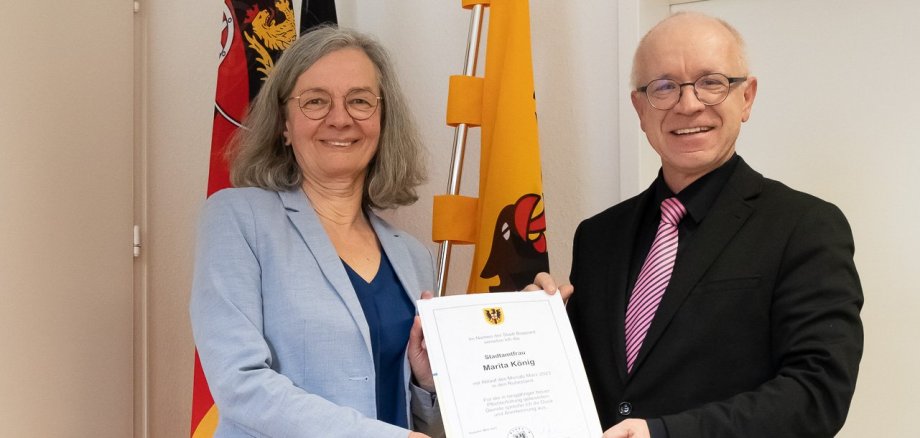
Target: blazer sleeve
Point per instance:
(227, 323)
(817, 342)
(426, 412)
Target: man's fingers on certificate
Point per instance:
(566, 290)
(542, 281)
(545, 282)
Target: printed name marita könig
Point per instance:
(509, 364)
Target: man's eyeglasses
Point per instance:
(316, 104)
(710, 89)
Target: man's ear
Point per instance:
(634, 97)
(639, 107)
(750, 92)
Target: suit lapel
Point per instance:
(393, 244)
(727, 215)
(301, 214)
(395, 248)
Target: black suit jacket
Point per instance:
(758, 333)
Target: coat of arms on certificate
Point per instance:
(494, 315)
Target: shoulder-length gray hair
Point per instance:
(259, 157)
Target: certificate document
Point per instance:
(506, 365)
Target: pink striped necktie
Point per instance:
(653, 279)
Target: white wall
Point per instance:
(182, 45)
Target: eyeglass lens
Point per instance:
(316, 104)
(711, 89)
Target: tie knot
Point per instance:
(672, 211)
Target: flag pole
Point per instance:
(456, 163)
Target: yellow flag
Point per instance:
(508, 222)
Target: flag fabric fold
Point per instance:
(509, 224)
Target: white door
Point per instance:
(66, 212)
(836, 115)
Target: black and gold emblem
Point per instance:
(494, 315)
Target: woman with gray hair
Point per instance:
(303, 302)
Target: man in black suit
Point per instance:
(757, 331)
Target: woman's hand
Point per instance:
(544, 281)
(418, 435)
(631, 428)
(418, 355)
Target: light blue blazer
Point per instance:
(280, 332)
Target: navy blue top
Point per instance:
(389, 313)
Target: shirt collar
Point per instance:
(699, 196)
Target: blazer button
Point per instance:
(625, 408)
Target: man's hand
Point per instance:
(544, 281)
(632, 428)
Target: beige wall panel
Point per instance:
(66, 212)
